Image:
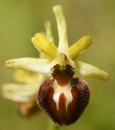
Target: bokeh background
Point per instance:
(21, 19)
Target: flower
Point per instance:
(25, 92)
(62, 96)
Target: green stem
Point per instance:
(52, 126)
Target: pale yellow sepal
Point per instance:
(26, 77)
(80, 46)
(62, 28)
(90, 71)
(31, 64)
(43, 45)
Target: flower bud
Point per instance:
(27, 109)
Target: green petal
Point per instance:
(43, 45)
(80, 46)
(87, 70)
(62, 29)
(32, 64)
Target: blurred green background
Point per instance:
(21, 19)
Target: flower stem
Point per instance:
(52, 126)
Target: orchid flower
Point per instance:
(24, 92)
(62, 96)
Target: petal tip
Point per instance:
(57, 7)
(8, 63)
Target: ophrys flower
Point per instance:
(63, 97)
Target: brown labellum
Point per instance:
(63, 98)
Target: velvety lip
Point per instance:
(71, 96)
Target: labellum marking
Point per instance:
(58, 90)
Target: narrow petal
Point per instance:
(80, 46)
(19, 92)
(87, 70)
(49, 35)
(32, 64)
(62, 29)
(43, 45)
